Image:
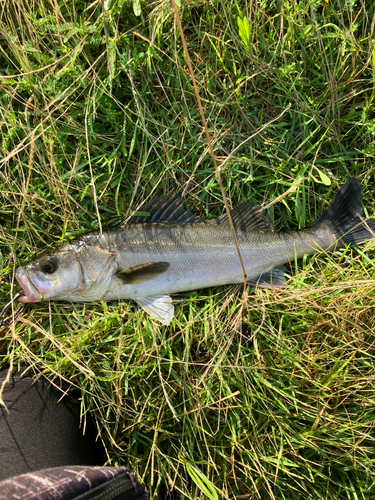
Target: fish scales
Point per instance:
(200, 254)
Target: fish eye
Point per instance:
(48, 266)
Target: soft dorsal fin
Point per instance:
(170, 208)
(248, 214)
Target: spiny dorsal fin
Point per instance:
(250, 215)
(144, 272)
(170, 208)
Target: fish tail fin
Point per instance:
(343, 215)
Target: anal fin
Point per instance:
(272, 278)
(158, 306)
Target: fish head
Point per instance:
(51, 276)
(74, 273)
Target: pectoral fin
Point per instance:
(143, 272)
(159, 306)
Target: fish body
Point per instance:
(170, 251)
(200, 255)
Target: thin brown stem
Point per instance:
(217, 171)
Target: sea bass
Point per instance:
(170, 251)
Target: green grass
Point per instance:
(277, 403)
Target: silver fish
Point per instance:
(171, 251)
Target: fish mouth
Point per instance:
(29, 291)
